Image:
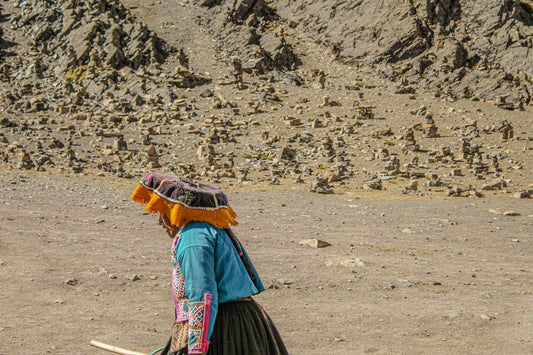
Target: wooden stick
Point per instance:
(114, 349)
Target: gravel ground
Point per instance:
(79, 261)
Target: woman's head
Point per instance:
(171, 229)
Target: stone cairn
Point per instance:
(410, 142)
(430, 129)
(507, 131)
(152, 158)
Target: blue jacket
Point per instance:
(207, 271)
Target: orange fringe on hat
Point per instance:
(179, 214)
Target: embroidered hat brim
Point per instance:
(184, 200)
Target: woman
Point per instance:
(213, 279)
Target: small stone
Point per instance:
(522, 194)
(351, 263)
(364, 113)
(331, 176)
(320, 186)
(374, 184)
(273, 286)
(207, 93)
(315, 243)
(487, 317)
(71, 282)
(120, 143)
(25, 162)
(80, 116)
(133, 277)
(285, 282)
(287, 153)
(511, 213)
(3, 139)
(413, 185)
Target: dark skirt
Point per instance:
(242, 328)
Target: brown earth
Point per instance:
(79, 261)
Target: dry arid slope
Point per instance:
(464, 49)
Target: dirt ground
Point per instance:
(79, 261)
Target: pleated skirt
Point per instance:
(242, 328)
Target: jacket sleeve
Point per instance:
(198, 269)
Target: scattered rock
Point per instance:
(522, 194)
(99, 90)
(427, 46)
(321, 186)
(486, 317)
(71, 282)
(133, 277)
(511, 213)
(352, 263)
(374, 184)
(314, 243)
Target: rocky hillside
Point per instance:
(343, 96)
(461, 48)
(3, 43)
(98, 48)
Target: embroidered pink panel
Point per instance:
(199, 325)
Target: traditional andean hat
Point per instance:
(184, 200)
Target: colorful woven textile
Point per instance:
(184, 200)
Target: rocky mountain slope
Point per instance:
(461, 49)
(248, 91)
(465, 49)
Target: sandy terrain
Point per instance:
(79, 261)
